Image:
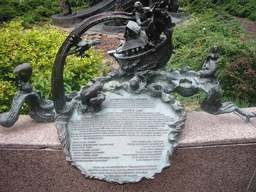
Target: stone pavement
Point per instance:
(216, 153)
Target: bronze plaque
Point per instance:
(130, 138)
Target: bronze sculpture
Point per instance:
(142, 81)
(40, 109)
(143, 75)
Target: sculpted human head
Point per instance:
(138, 6)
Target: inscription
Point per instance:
(130, 103)
(125, 123)
(126, 141)
(122, 171)
(150, 151)
(128, 123)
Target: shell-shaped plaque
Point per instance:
(132, 137)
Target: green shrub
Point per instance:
(241, 8)
(7, 90)
(239, 81)
(34, 11)
(7, 12)
(39, 47)
(78, 4)
(198, 6)
(31, 11)
(194, 42)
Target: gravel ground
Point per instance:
(107, 44)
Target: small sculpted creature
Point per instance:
(154, 18)
(81, 47)
(210, 65)
(24, 72)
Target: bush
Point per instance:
(31, 11)
(239, 79)
(7, 13)
(7, 90)
(241, 8)
(34, 11)
(78, 4)
(198, 6)
(39, 47)
(194, 42)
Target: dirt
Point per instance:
(108, 44)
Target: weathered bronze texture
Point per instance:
(145, 54)
(130, 108)
(41, 110)
(142, 75)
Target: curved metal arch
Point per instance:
(57, 83)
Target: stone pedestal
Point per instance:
(216, 153)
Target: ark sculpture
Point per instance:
(125, 126)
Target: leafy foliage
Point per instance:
(194, 42)
(78, 4)
(241, 8)
(198, 6)
(7, 90)
(30, 10)
(34, 11)
(239, 79)
(39, 47)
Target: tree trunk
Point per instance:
(65, 7)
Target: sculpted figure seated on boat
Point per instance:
(149, 47)
(155, 19)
